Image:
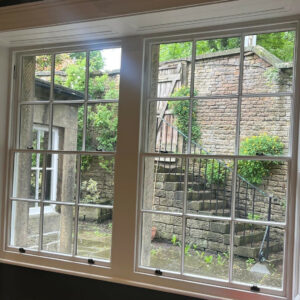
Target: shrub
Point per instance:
(214, 171)
(256, 171)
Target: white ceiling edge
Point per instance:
(144, 24)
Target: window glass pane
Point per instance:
(209, 187)
(97, 180)
(206, 251)
(67, 130)
(168, 126)
(70, 71)
(27, 180)
(265, 125)
(94, 232)
(104, 74)
(36, 78)
(25, 222)
(34, 127)
(217, 67)
(261, 192)
(268, 62)
(214, 126)
(171, 69)
(258, 255)
(61, 176)
(58, 228)
(161, 242)
(164, 184)
(102, 123)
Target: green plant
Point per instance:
(256, 171)
(208, 259)
(154, 251)
(181, 110)
(226, 254)
(89, 191)
(249, 262)
(187, 249)
(174, 239)
(214, 171)
(253, 216)
(220, 260)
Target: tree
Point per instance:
(281, 44)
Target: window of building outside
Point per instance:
(216, 159)
(62, 195)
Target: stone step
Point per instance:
(242, 239)
(179, 186)
(171, 168)
(204, 205)
(201, 195)
(253, 251)
(179, 177)
(223, 227)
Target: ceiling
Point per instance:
(147, 23)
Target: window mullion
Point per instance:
(51, 100)
(41, 225)
(78, 163)
(240, 93)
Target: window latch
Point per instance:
(99, 149)
(255, 288)
(22, 250)
(163, 151)
(259, 154)
(91, 261)
(29, 148)
(158, 272)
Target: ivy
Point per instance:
(181, 110)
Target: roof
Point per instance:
(59, 89)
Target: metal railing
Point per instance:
(209, 183)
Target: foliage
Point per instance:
(214, 171)
(281, 44)
(208, 259)
(89, 190)
(184, 49)
(256, 171)
(181, 111)
(187, 249)
(220, 260)
(249, 262)
(174, 240)
(253, 216)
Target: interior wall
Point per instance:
(17, 283)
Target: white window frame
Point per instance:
(289, 158)
(123, 267)
(47, 206)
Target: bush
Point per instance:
(256, 171)
(214, 170)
